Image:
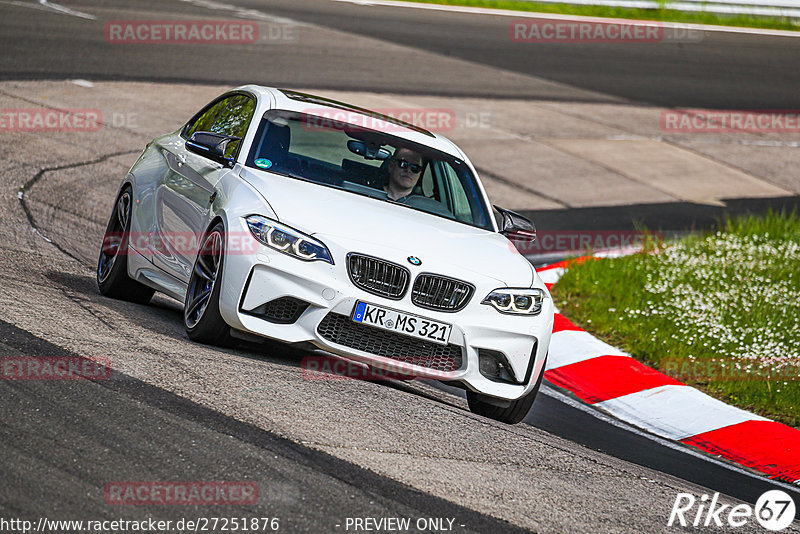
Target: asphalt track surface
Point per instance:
(63, 441)
(306, 489)
(722, 70)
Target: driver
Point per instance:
(404, 172)
(405, 169)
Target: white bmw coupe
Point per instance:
(298, 218)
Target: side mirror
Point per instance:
(516, 227)
(211, 146)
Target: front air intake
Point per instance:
(284, 310)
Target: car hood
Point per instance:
(347, 222)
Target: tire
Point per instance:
(512, 414)
(201, 316)
(112, 265)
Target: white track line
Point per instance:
(553, 16)
(65, 10)
(244, 13)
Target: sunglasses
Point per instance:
(413, 167)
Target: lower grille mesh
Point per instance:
(341, 330)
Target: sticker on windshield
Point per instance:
(263, 163)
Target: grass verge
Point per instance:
(665, 15)
(720, 311)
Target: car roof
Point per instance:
(318, 105)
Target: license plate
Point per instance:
(402, 323)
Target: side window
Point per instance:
(462, 209)
(205, 121)
(234, 119)
(460, 200)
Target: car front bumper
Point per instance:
(250, 280)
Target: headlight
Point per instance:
(516, 301)
(288, 240)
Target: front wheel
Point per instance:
(201, 316)
(513, 413)
(112, 266)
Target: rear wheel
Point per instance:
(513, 413)
(201, 315)
(112, 266)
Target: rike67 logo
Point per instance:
(774, 510)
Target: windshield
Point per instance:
(369, 163)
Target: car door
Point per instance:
(184, 197)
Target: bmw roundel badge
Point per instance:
(413, 260)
